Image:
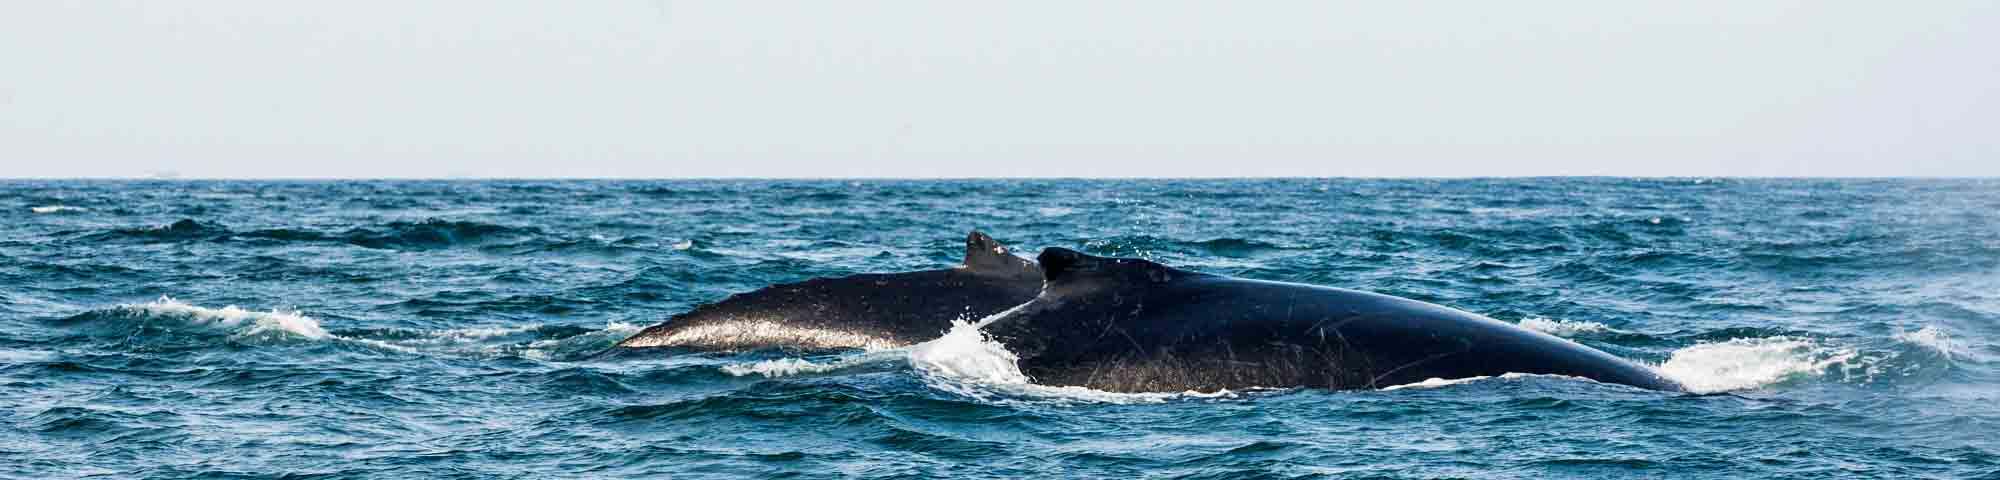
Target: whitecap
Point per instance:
(785, 367)
(57, 209)
(1746, 363)
(231, 319)
(1929, 337)
(967, 362)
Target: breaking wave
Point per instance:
(168, 323)
(51, 209)
(1750, 363)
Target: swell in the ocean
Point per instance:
(381, 329)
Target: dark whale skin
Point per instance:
(870, 310)
(1131, 325)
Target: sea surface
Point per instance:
(452, 329)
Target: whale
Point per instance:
(865, 311)
(1132, 325)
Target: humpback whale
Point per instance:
(1130, 325)
(869, 310)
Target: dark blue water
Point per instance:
(446, 329)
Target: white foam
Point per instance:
(612, 332)
(237, 321)
(8, 355)
(964, 362)
(1746, 363)
(1564, 328)
(475, 334)
(1929, 337)
(57, 209)
(785, 367)
(493, 341)
(1435, 382)
(965, 353)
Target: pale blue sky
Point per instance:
(925, 89)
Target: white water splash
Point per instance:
(1746, 363)
(235, 321)
(964, 362)
(47, 209)
(1930, 337)
(1435, 382)
(1564, 328)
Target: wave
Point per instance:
(168, 323)
(433, 233)
(1747, 363)
(169, 317)
(285, 235)
(181, 230)
(595, 245)
(1932, 338)
(57, 209)
(1759, 362)
(534, 342)
(425, 234)
(1741, 364)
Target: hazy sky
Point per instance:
(925, 89)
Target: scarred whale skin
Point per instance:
(1122, 324)
(870, 310)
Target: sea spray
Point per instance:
(1746, 363)
(231, 320)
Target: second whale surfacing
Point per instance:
(1131, 325)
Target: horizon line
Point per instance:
(887, 178)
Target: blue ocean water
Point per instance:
(420, 329)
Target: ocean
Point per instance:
(451, 329)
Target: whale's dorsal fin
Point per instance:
(983, 254)
(1061, 265)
